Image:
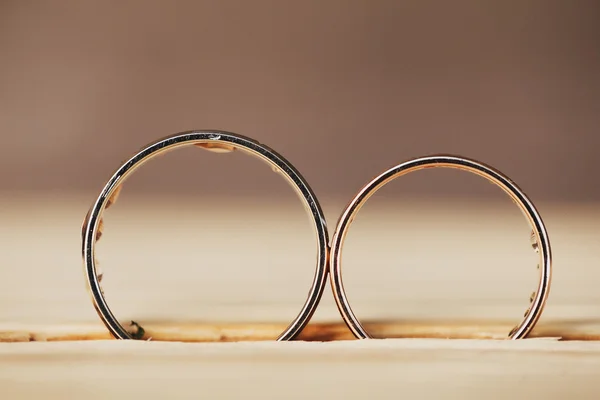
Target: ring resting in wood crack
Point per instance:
(217, 142)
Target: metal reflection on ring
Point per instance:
(217, 141)
(539, 235)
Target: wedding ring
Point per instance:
(539, 235)
(217, 141)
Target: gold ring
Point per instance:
(217, 141)
(540, 241)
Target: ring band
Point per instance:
(217, 141)
(540, 241)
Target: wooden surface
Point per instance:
(382, 369)
(425, 270)
(564, 330)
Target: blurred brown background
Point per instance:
(343, 89)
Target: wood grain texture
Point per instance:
(319, 331)
(416, 368)
(421, 272)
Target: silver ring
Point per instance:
(218, 141)
(540, 241)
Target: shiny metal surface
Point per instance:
(218, 141)
(540, 241)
